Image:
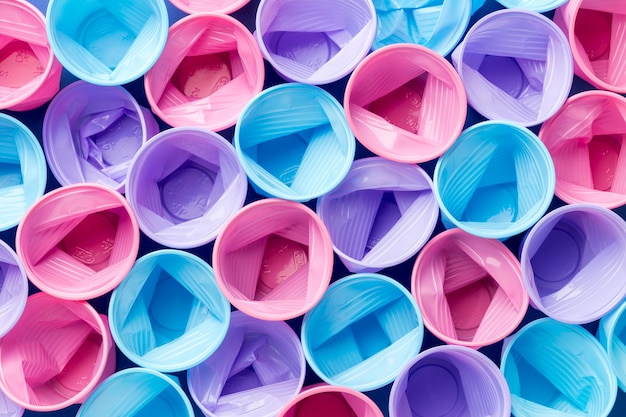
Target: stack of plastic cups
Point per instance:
(330, 401)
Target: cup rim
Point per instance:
(326, 388)
(233, 7)
(23, 296)
(546, 7)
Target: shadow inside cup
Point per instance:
(330, 401)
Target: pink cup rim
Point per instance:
(233, 7)
(325, 388)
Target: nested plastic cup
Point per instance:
(138, 392)
(209, 6)
(29, 73)
(312, 41)
(450, 381)
(380, 215)
(23, 171)
(574, 263)
(557, 369)
(258, 368)
(405, 103)
(210, 68)
(496, 181)
(13, 290)
(78, 242)
(516, 65)
(294, 142)
(363, 331)
(539, 6)
(274, 259)
(184, 184)
(107, 42)
(330, 401)
(92, 132)
(168, 313)
(56, 354)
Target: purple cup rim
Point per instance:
(16, 312)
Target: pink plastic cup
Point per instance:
(209, 6)
(13, 290)
(330, 401)
(210, 68)
(273, 260)
(469, 289)
(30, 75)
(405, 103)
(56, 354)
(79, 241)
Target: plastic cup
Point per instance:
(330, 401)
(258, 368)
(107, 42)
(312, 41)
(92, 132)
(450, 381)
(612, 336)
(168, 314)
(362, 333)
(184, 184)
(405, 103)
(22, 171)
(564, 255)
(30, 75)
(209, 6)
(56, 354)
(539, 6)
(8, 408)
(273, 260)
(381, 214)
(78, 242)
(13, 290)
(496, 180)
(516, 65)
(558, 369)
(294, 142)
(210, 68)
(138, 392)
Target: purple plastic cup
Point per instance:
(258, 368)
(91, 133)
(380, 215)
(13, 290)
(8, 408)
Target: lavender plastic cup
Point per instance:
(258, 368)
(13, 289)
(8, 408)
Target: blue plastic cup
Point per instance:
(612, 336)
(361, 334)
(168, 313)
(558, 369)
(539, 6)
(496, 180)
(13, 290)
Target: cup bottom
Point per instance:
(402, 107)
(603, 156)
(18, 65)
(283, 156)
(469, 304)
(311, 49)
(434, 390)
(503, 72)
(593, 30)
(200, 76)
(495, 203)
(185, 193)
(281, 259)
(71, 381)
(327, 404)
(105, 37)
(10, 175)
(92, 240)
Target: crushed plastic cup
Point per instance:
(92, 132)
(450, 381)
(138, 392)
(78, 242)
(315, 42)
(363, 331)
(574, 262)
(294, 142)
(557, 369)
(539, 6)
(210, 68)
(496, 181)
(209, 6)
(258, 368)
(381, 214)
(612, 336)
(30, 75)
(107, 42)
(405, 103)
(184, 184)
(274, 259)
(13, 290)
(330, 401)
(516, 65)
(168, 313)
(56, 354)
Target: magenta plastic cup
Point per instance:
(13, 290)
(380, 215)
(209, 6)
(315, 42)
(330, 401)
(273, 260)
(91, 133)
(611, 334)
(405, 103)
(184, 185)
(210, 68)
(78, 242)
(258, 368)
(516, 65)
(56, 354)
(562, 257)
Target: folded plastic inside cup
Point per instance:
(612, 335)
(209, 6)
(330, 401)
(539, 6)
(13, 289)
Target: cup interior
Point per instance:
(13, 289)
(538, 6)
(332, 404)
(209, 6)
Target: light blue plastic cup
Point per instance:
(168, 313)
(13, 290)
(107, 42)
(23, 171)
(556, 369)
(137, 392)
(612, 336)
(363, 332)
(539, 6)
(496, 180)
(294, 142)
